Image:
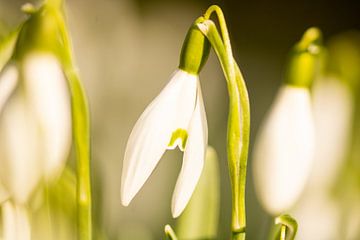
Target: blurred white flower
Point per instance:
(16, 222)
(176, 117)
(3, 194)
(35, 123)
(333, 114)
(284, 150)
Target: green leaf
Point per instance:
(201, 216)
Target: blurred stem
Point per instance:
(81, 135)
(288, 228)
(283, 232)
(239, 118)
(169, 232)
(81, 131)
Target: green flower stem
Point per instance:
(169, 233)
(283, 232)
(238, 125)
(288, 228)
(224, 34)
(81, 135)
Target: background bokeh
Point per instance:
(127, 49)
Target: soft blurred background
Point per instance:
(127, 49)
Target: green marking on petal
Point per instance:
(178, 138)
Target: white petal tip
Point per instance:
(126, 197)
(176, 212)
(125, 200)
(177, 208)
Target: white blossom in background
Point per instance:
(15, 222)
(3, 194)
(176, 117)
(333, 112)
(35, 123)
(284, 150)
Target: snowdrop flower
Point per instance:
(284, 148)
(35, 120)
(176, 117)
(333, 105)
(16, 222)
(333, 114)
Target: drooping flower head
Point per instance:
(176, 117)
(284, 148)
(35, 120)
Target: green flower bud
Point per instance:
(41, 32)
(195, 50)
(304, 61)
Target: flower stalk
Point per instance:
(288, 227)
(238, 120)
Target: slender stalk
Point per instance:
(239, 118)
(81, 132)
(81, 136)
(283, 232)
(288, 227)
(170, 234)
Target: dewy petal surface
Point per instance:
(284, 150)
(48, 96)
(170, 110)
(8, 79)
(193, 160)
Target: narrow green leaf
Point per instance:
(201, 216)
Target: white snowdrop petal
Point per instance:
(193, 159)
(3, 194)
(8, 80)
(284, 150)
(152, 132)
(315, 209)
(48, 97)
(16, 223)
(19, 159)
(333, 112)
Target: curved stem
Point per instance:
(283, 232)
(289, 227)
(224, 34)
(238, 127)
(169, 232)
